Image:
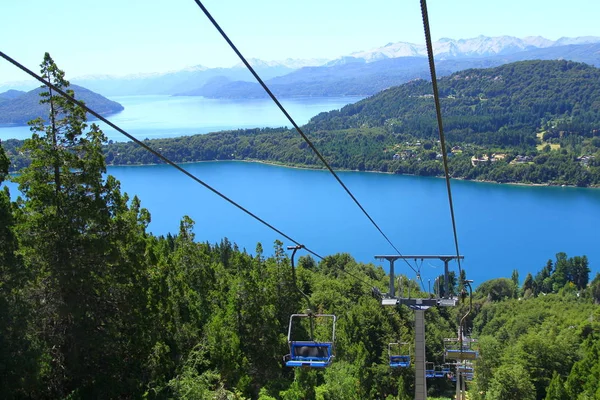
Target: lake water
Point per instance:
(168, 116)
(500, 227)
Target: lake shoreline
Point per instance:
(277, 164)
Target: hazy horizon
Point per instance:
(123, 38)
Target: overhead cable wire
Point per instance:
(296, 126)
(148, 148)
(438, 110)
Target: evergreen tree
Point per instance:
(515, 278)
(76, 229)
(556, 389)
(561, 274)
(528, 285)
(579, 271)
(511, 382)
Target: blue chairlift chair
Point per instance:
(457, 350)
(429, 370)
(438, 372)
(310, 353)
(399, 355)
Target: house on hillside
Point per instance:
(585, 160)
(521, 159)
(495, 157)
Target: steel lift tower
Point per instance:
(419, 305)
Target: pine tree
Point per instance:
(83, 243)
(556, 389)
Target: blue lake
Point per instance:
(162, 116)
(500, 227)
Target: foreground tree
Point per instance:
(80, 239)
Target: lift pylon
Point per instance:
(419, 305)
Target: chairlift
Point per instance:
(455, 349)
(429, 370)
(310, 353)
(465, 369)
(438, 371)
(399, 357)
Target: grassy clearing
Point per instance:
(543, 144)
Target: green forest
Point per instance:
(95, 307)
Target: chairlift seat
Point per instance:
(399, 354)
(400, 361)
(438, 372)
(310, 354)
(461, 354)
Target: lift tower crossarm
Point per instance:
(445, 258)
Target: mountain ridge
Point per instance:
(355, 77)
(480, 46)
(190, 80)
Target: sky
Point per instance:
(120, 37)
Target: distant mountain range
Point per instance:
(360, 73)
(18, 107)
(368, 72)
(355, 78)
(180, 81)
(481, 46)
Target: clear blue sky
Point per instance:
(121, 37)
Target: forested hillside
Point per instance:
(503, 105)
(529, 122)
(93, 306)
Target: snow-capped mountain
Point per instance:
(481, 46)
(391, 50)
(462, 52)
(291, 63)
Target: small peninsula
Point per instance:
(18, 108)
